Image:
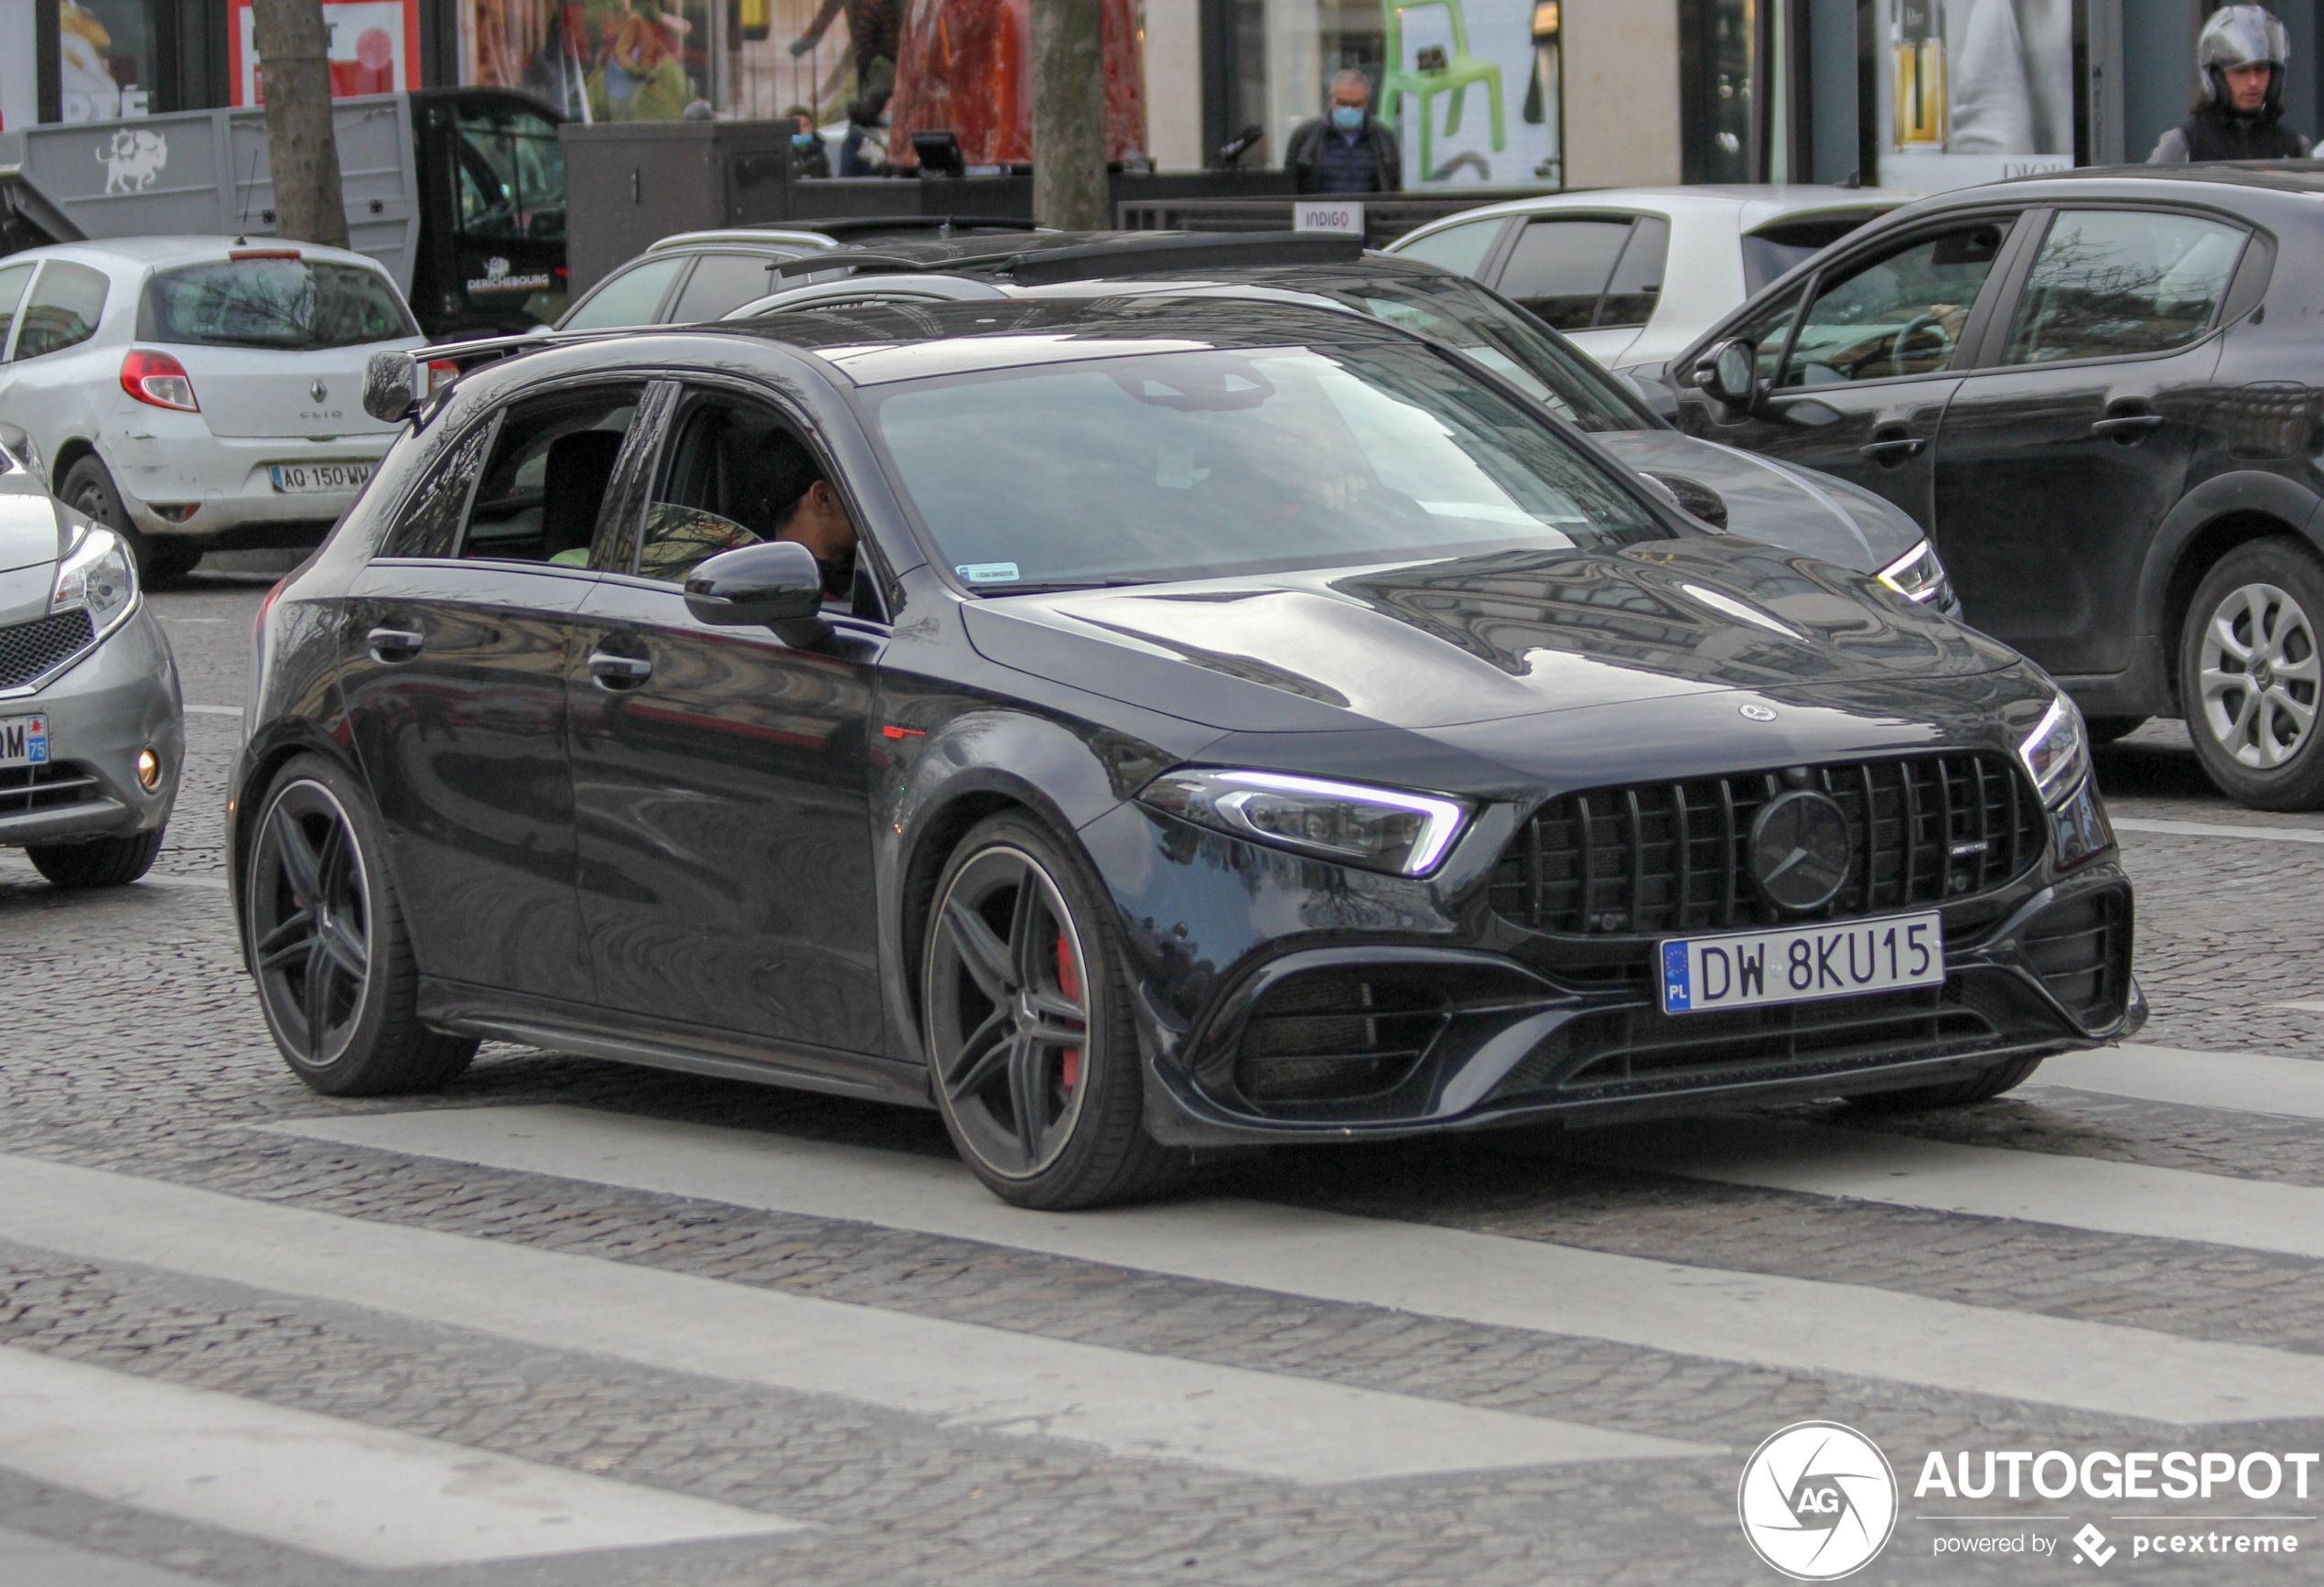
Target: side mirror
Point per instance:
(1730, 374)
(18, 445)
(774, 582)
(390, 386)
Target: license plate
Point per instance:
(23, 741)
(310, 478)
(1802, 964)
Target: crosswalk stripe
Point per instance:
(2219, 829)
(2233, 1082)
(1789, 1323)
(962, 1375)
(366, 1494)
(27, 1560)
(2077, 1193)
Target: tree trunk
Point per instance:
(1069, 116)
(301, 150)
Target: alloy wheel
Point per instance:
(1008, 1011)
(310, 924)
(2259, 675)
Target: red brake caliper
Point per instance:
(1068, 981)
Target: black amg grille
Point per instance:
(1641, 1050)
(30, 649)
(23, 789)
(1336, 1036)
(1671, 857)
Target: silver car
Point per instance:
(92, 728)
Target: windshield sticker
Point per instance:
(1174, 469)
(988, 572)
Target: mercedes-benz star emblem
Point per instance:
(1800, 850)
(318, 391)
(1759, 713)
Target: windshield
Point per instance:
(1207, 464)
(1502, 339)
(293, 303)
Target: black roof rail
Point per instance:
(846, 225)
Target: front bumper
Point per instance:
(119, 699)
(174, 460)
(1441, 1031)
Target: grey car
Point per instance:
(1793, 508)
(92, 727)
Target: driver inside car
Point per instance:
(786, 493)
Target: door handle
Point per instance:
(2128, 429)
(619, 672)
(390, 646)
(1892, 449)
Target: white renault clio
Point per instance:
(198, 394)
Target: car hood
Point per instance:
(1480, 638)
(33, 532)
(1797, 509)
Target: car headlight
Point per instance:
(98, 577)
(1919, 576)
(2057, 751)
(1373, 828)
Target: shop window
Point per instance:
(106, 61)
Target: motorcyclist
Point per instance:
(2239, 112)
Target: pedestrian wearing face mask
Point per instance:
(808, 155)
(2239, 112)
(1349, 149)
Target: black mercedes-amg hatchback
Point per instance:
(1132, 726)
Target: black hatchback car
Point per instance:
(2098, 392)
(1238, 724)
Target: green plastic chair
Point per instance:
(1459, 72)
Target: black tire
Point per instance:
(336, 979)
(89, 488)
(1021, 958)
(99, 862)
(1982, 1087)
(2106, 729)
(2258, 615)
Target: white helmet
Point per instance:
(2241, 36)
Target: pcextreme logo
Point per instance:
(1818, 1501)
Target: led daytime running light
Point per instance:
(1238, 802)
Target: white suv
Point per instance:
(199, 393)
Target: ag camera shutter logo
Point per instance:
(1818, 1501)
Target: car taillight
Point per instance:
(441, 372)
(158, 379)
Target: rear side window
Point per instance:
(1773, 250)
(1456, 248)
(12, 285)
(541, 494)
(2110, 284)
(1637, 282)
(1559, 269)
(289, 304)
(628, 298)
(67, 302)
(721, 282)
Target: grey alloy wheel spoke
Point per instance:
(983, 954)
(302, 866)
(343, 948)
(1027, 1094)
(1025, 931)
(316, 1004)
(981, 1056)
(286, 942)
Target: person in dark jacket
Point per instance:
(1349, 150)
(2240, 114)
(808, 155)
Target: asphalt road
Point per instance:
(574, 1324)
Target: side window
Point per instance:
(511, 176)
(64, 309)
(1766, 329)
(2108, 284)
(628, 298)
(732, 475)
(12, 285)
(721, 282)
(1457, 248)
(539, 497)
(1900, 314)
(1559, 269)
(1637, 283)
(430, 524)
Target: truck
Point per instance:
(458, 192)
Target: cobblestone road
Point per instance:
(569, 1323)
